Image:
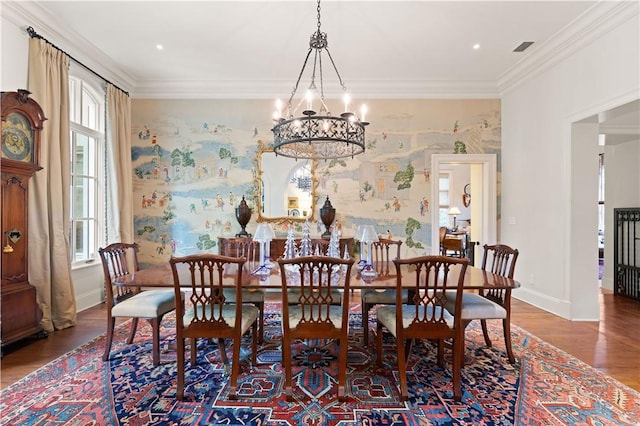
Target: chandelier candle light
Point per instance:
(318, 135)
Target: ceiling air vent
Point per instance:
(523, 46)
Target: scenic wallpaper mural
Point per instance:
(194, 161)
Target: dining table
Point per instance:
(160, 275)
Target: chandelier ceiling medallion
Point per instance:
(318, 135)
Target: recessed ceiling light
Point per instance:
(159, 47)
(476, 46)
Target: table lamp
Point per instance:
(368, 237)
(454, 211)
(264, 234)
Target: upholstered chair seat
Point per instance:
(249, 315)
(475, 306)
(387, 316)
(147, 304)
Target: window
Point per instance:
(87, 125)
(444, 198)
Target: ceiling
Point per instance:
(255, 49)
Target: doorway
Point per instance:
(483, 184)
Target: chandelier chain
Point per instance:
(314, 136)
(295, 88)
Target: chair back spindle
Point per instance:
(383, 252)
(501, 260)
(118, 260)
(205, 277)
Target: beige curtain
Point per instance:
(49, 265)
(120, 181)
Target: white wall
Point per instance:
(541, 159)
(14, 57)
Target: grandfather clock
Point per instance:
(22, 120)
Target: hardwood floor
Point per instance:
(611, 345)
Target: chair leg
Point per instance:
(132, 332)
(260, 306)
(254, 343)
(408, 344)
(506, 326)
(458, 356)
(155, 351)
(342, 369)
(365, 322)
(223, 351)
(180, 362)
(485, 332)
(235, 367)
(111, 322)
(402, 370)
(286, 358)
(194, 351)
(379, 344)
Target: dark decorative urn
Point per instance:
(243, 215)
(327, 214)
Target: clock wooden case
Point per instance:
(22, 122)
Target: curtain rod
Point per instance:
(34, 34)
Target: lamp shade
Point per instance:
(454, 211)
(358, 235)
(264, 233)
(369, 234)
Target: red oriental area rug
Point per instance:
(545, 387)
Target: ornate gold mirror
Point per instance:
(285, 187)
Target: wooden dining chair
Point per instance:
(210, 314)
(490, 303)
(314, 314)
(424, 316)
(383, 253)
(442, 232)
(119, 259)
(451, 245)
(250, 250)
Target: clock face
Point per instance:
(17, 138)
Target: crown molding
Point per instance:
(28, 13)
(603, 17)
(210, 89)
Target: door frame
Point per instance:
(489, 226)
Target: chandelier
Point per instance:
(318, 135)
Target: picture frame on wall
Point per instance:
(292, 202)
